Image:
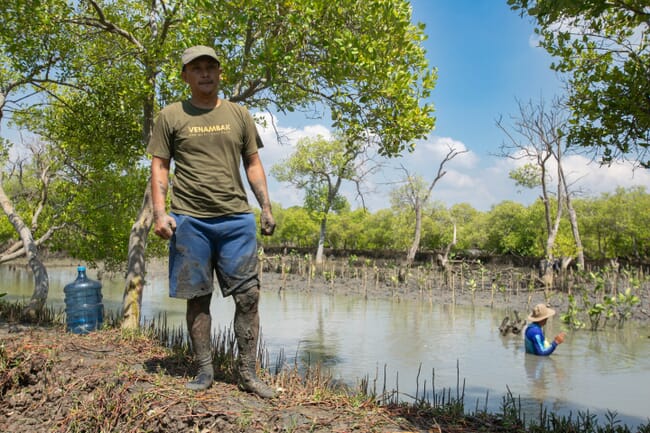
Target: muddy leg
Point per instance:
(199, 324)
(247, 324)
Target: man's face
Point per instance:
(202, 75)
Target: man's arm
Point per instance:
(164, 224)
(257, 180)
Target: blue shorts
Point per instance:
(202, 246)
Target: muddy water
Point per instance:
(390, 342)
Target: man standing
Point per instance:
(211, 227)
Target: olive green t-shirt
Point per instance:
(207, 147)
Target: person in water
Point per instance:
(534, 340)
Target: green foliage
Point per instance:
(347, 230)
(362, 61)
(599, 307)
(564, 245)
(430, 222)
(98, 146)
(595, 312)
(100, 217)
(508, 228)
(30, 182)
(415, 190)
(616, 224)
(438, 226)
(99, 73)
(528, 176)
(295, 227)
(622, 304)
(386, 230)
(514, 229)
(603, 47)
(571, 317)
(318, 167)
(470, 226)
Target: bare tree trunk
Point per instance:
(550, 240)
(410, 257)
(321, 241)
(136, 266)
(418, 199)
(553, 228)
(443, 259)
(132, 300)
(18, 249)
(542, 160)
(573, 218)
(41, 281)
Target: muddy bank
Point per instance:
(501, 286)
(109, 381)
(508, 298)
(59, 382)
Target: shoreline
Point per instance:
(521, 300)
(56, 370)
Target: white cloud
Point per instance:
(592, 179)
(279, 142)
(480, 181)
(428, 155)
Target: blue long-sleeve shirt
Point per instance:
(535, 341)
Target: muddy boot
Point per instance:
(199, 324)
(247, 325)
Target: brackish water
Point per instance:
(391, 341)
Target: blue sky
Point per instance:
(487, 60)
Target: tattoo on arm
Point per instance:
(259, 189)
(162, 187)
(161, 210)
(257, 180)
(159, 186)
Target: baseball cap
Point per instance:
(198, 51)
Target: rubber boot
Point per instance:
(247, 325)
(199, 324)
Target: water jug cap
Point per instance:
(81, 269)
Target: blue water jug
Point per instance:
(83, 304)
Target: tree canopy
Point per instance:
(319, 167)
(604, 48)
(98, 71)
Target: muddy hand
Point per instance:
(165, 226)
(267, 223)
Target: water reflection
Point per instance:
(544, 373)
(355, 338)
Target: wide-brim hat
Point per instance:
(540, 312)
(198, 51)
